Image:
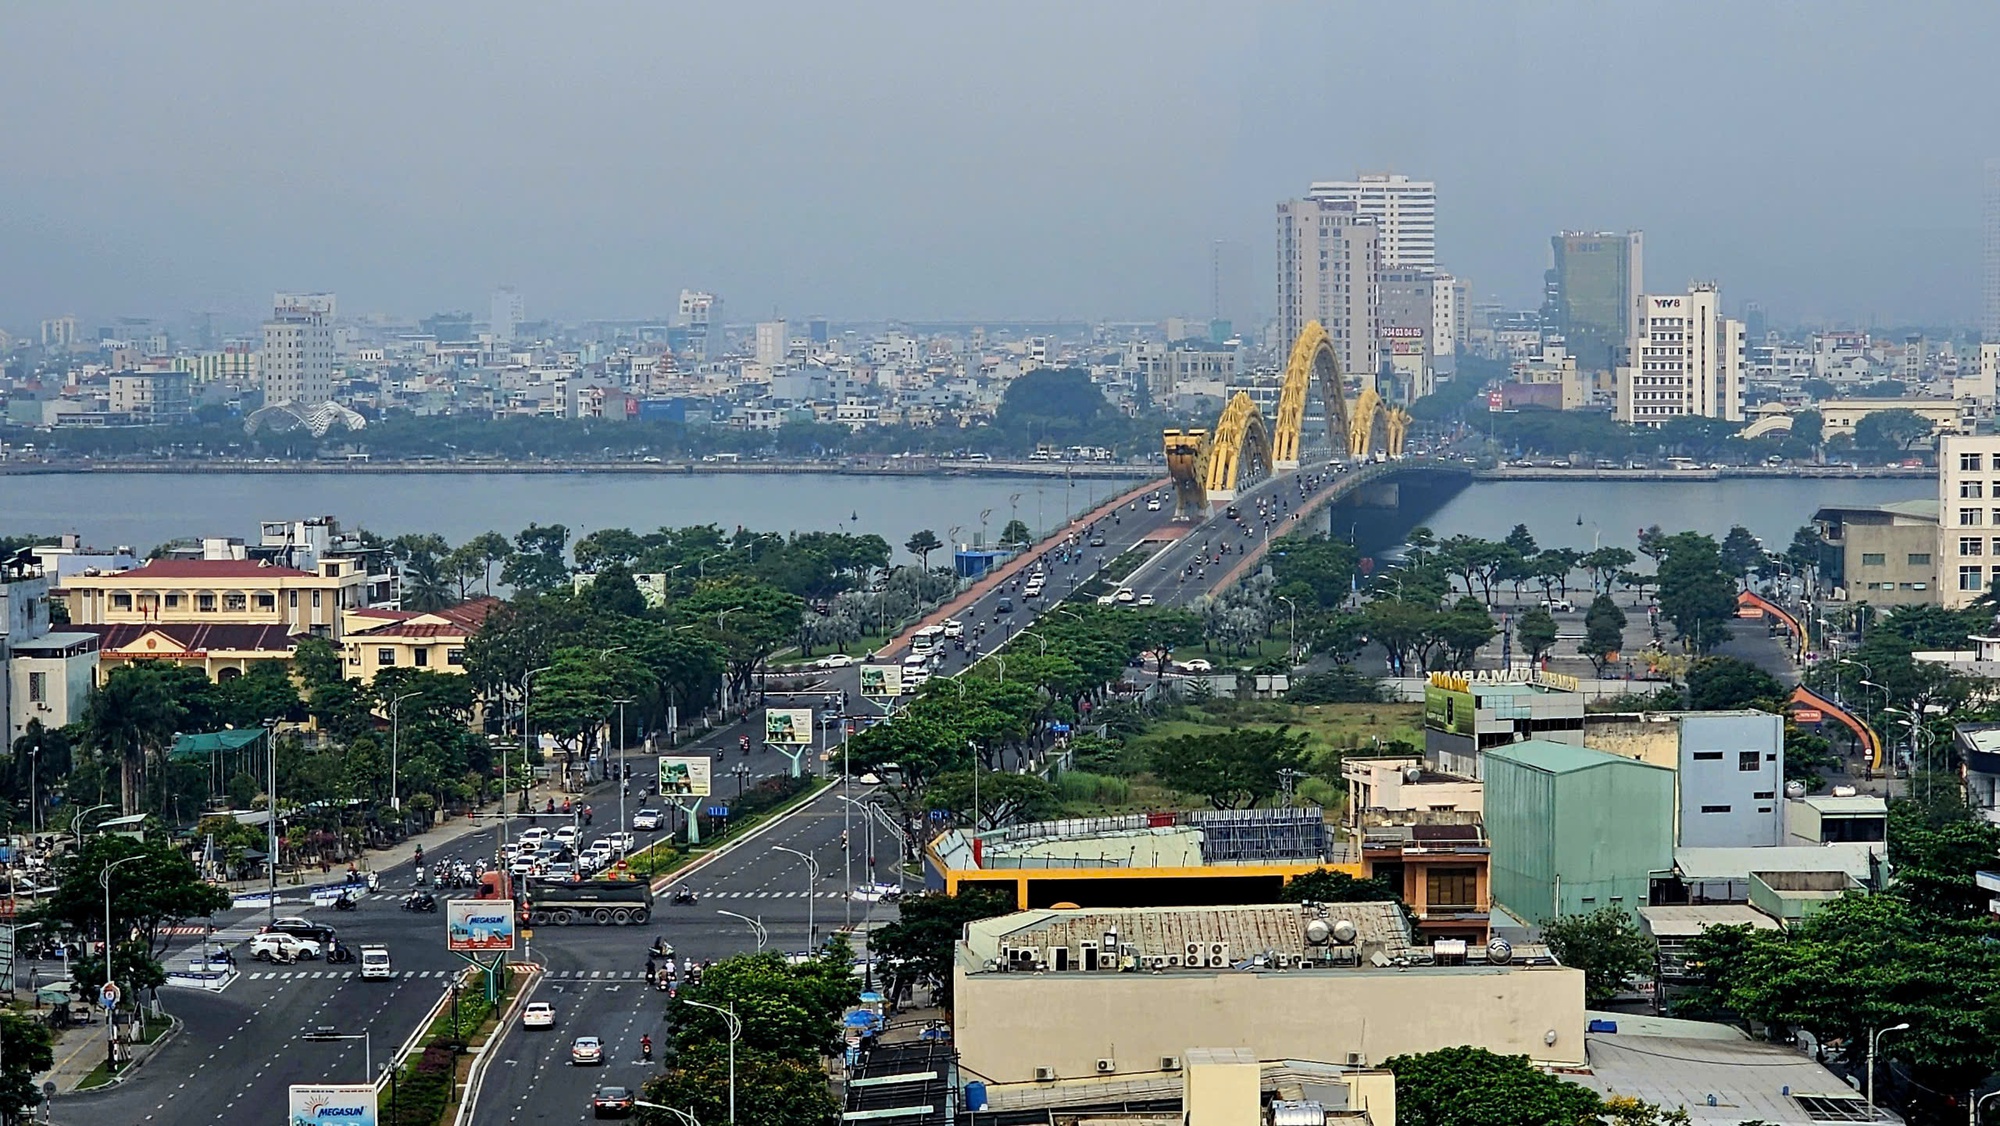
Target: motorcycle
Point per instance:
(661, 948)
(344, 903)
(420, 901)
(339, 955)
(683, 897)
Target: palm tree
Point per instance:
(130, 714)
(424, 584)
(922, 544)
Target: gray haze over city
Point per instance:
(931, 161)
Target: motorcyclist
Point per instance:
(744, 742)
(646, 1046)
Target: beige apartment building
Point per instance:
(433, 641)
(1888, 552)
(1968, 539)
(235, 592)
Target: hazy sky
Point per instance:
(992, 160)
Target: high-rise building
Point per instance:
(1404, 209)
(59, 332)
(774, 342)
(1968, 554)
(1449, 319)
(695, 314)
(1686, 359)
(1329, 264)
(1989, 320)
(508, 313)
(1593, 283)
(298, 357)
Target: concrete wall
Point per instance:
(1008, 1024)
(1723, 805)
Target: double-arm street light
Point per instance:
(111, 1026)
(506, 811)
(756, 926)
(685, 1116)
(812, 889)
(395, 746)
(735, 1034)
(325, 1034)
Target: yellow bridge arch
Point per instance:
(1208, 465)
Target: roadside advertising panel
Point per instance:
(882, 681)
(350, 1104)
(788, 727)
(686, 777)
(478, 926)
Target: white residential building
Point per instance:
(508, 313)
(1686, 360)
(1968, 555)
(1405, 210)
(1329, 268)
(774, 342)
(1448, 315)
(697, 313)
(298, 358)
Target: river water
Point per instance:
(144, 509)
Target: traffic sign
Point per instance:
(108, 995)
(718, 811)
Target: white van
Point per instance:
(375, 962)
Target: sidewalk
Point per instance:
(79, 1050)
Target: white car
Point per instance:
(1145, 600)
(833, 661)
(1153, 505)
(538, 1014)
(646, 819)
(587, 1051)
(954, 628)
(566, 835)
(1125, 595)
(277, 946)
(1196, 665)
(622, 842)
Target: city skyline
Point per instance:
(1037, 175)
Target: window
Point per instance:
(234, 601)
(1970, 462)
(1970, 578)
(121, 602)
(205, 603)
(1969, 517)
(1873, 558)
(1715, 809)
(173, 601)
(295, 599)
(385, 657)
(1708, 756)
(1920, 559)
(315, 600)
(454, 656)
(1971, 490)
(1765, 795)
(420, 658)
(1446, 888)
(1971, 545)
(267, 602)
(1746, 760)
(38, 687)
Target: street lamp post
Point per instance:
(506, 811)
(1292, 611)
(110, 1025)
(812, 888)
(1874, 1038)
(735, 1033)
(756, 926)
(684, 1115)
(622, 787)
(76, 823)
(1978, 1101)
(395, 746)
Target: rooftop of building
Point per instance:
(1917, 510)
(1336, 937)
(1718, 1080)
(195, 637)
(453, 621)
(1849, 805)
(1562, 758)
(1166, 839)
(1688, 921)
(1850, 857)
(210, 569)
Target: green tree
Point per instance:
(1741, 552)
(921, 545)
(538, 564)
(1051, 405)
(1397, 626)
(1894, 429)
(1939, 849)
(25, 1054)
(1603, 632)
(1004, 798)
(1535, 633)
(1474, 1087)
(918, 945)
(748, 620)
(1606, 945)
(791, 1011)
(613, 593)
(154, 887)
(1460, 631)
(1522, 541)
(1711, 960)
(1321, 566)
(1230, 770)
(1604, 565)
(265, 691)
(129, 719)
(769, 1088)
(1324, 885)
(1696, 592)
(1016, 533)
(1718, 684)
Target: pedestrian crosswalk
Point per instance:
(336, 975)
(770, 894)
(593, 975)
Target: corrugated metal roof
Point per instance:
(1560, 758)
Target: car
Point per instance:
(567, 835)
(278, 946)
(587, 1051)
(1145, 600)
(1004, 606)
(375, 963)
(1097, 540)
(1196, 665)
(954, 628)
(646, 819)
(523, 866)
(620, 841)
(559, 869)
(833, 661)
(1125, 595)
(1153, 505)
(1558, 604)
(538, 1014)
(302, 927)
(611, 1102)
(536, 833)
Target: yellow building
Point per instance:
(434, 641)
(221, 650)
(1946, 416)
(217, 592)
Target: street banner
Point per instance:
(348, 1105)
(685, 777)
(882, 681)
(478, 926)
(788, 727)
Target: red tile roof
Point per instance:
(213, 569)
(462, 620)
(198, 637)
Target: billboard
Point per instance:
(884, 681)
(351, 1104)
(1449, 709)
(688, 777)
(478, 926)
(788, 727)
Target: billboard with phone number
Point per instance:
(350, 1104)
(478, 926)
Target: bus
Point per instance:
(926, 640)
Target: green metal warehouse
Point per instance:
(1573, 829)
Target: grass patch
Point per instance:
(150, 1032)
(426, 1086)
